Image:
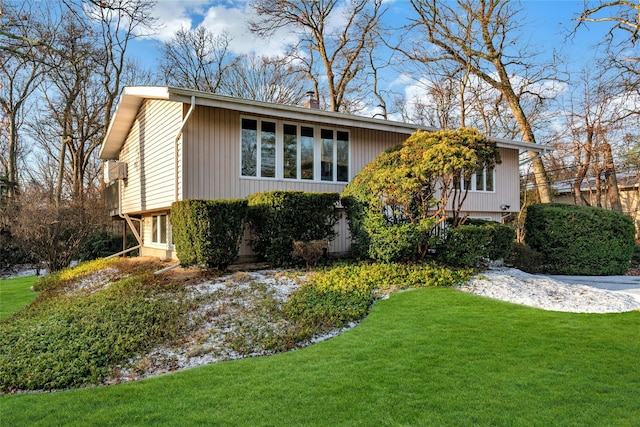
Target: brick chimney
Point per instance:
(311, 101)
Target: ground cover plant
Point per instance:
(425, 357)
(77, 329)
(108, 321)
(15, 294)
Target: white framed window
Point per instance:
(483, 180)
(159, 228)
(296, 151)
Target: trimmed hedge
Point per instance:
(579, 239)
(466, 245)
(207, 233)
(501, 238)
(278, 218)
(476, 241)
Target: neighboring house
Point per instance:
(628, 189)
(166, 144)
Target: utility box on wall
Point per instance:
(114, 171)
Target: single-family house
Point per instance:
(166, 144)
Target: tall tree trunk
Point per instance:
(582, 170)
(12, 157)
(613, 195)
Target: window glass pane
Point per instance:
(326, 164)
(249, 147)
(480, 180)
(306, 153)
(162, 219)
(268, 150)
(290, 157)
(154, 229)
(343, 156)
(490, 179)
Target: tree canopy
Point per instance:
(419, 183)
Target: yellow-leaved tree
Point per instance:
(400, 197)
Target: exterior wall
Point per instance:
(507, 189)
(149, 152)
(209, 167)
(212, 161)
(212, 164)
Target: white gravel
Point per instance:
(512, 285)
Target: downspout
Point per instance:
(175, 164)
(175, 145)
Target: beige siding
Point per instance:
(212, 169)
(507, 189)
(150, 156)
(367, 144)
(212, 161)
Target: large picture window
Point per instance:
(272, 149)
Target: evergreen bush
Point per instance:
(278, 218)
(103, 243)
(501, 238)
(580, 240)
(207, 233)
(465, 246)
(526, 259)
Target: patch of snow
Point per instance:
(512, 285)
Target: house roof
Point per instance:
(132, 98)
(626, 181)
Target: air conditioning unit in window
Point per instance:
(114, 171)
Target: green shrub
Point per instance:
(335, 296)
(392, 242)
(62, 342)
(501, 238)
(278, 218)
(207, 233)
(580, 240)
(465, 246)
(526, 259)
(103, 243)
(356, 213)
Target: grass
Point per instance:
(15, 294)
(425, 357)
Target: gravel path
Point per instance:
(512, 285)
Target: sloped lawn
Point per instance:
(15, 294)
(424, 357)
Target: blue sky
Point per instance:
(547, 22)
(547, 26)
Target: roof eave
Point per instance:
(132, 98)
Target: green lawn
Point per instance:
(15, 294)
(425, 357)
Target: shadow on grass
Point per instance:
(424, 357)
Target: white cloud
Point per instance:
(219, 17)
(235, 22)
(173, 15)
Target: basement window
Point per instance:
(159, 228)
